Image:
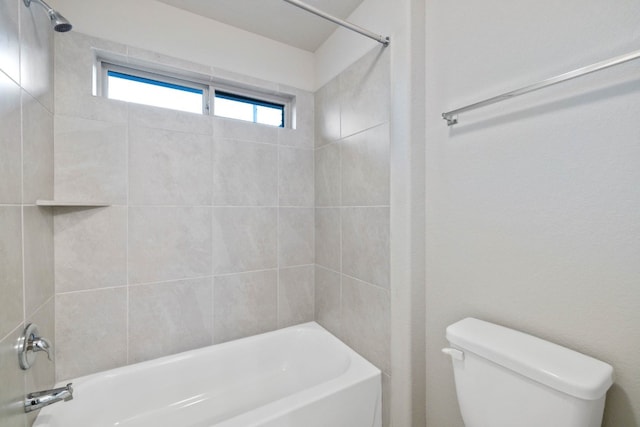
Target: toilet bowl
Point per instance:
(506, 378)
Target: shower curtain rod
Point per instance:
(377, 37)
(452, 116)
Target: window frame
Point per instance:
(209, 89)
(224, 94)
(150, 75)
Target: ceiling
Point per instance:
(274, 19)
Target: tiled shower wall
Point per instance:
(352, 169)
(26, 174)
(209, 235)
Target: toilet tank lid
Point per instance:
(550, 364)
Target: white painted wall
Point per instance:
(161, 28)
(533, 205)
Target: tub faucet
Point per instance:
(40, 399)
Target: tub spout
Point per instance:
(40, 399)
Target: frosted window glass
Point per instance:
(140, 90)
(248, 109)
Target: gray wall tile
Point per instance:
(11, 289)
(90, 160)
(244, 131)
(294, 138)
(386, 400)
(304, 118)
(42, 375)
(74, 58)
(10, 138)
(167, 62)
(26, 149)
(37, 149)
(327, 113)
(328, 238)
(186, 210)
(301, 133)
(169, 243)
(295, 236)
(365, 92)
(38, 257)
(328, 297)
(13, 390)
(365, 244)
(352, 184)
(90, 248)
(169, 168)
(366, 168)
(244, 239)
(36, 55)
(244, 173)
(98, 316)
(168, 318)
(328, 175)
(244, 304)
(10, 38)
(366, 319)
(295, 295)
(295, 181)
(164, 118)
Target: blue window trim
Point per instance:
(124, 76)
(254, 102)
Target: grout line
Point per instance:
(278, 320)
(215, 206)
(22, 92)
(291, 267)
(313, 237)
(327, 268)
(22, 223)
(354, 206)
(82, 291)
(246, 272)
(10, 78)
(127, 305)
(313, 234)
(13, 331)
(361, 131)
(41, 306)
(212, 158)
(340, 212)
(366, 283)
(160, 282)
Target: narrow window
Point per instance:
(153, 87)
(249, 109)
(141, 89)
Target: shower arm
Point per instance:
(41, 3)
(59, 22)
(377, 37)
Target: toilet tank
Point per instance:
(506, 378)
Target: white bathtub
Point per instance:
(295, 377)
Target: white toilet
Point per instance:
(505, 378)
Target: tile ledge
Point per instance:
(70, 203)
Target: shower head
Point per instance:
(59, 22)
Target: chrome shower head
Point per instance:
(59, 22)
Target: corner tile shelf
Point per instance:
(66, 203)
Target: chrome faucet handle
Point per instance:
(31, 343)
(40, 344)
